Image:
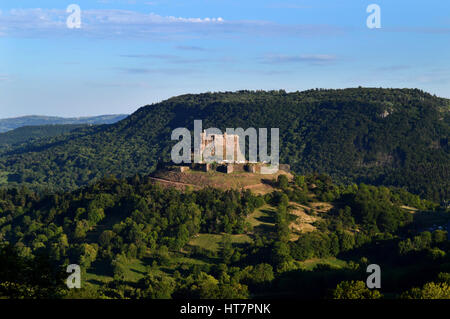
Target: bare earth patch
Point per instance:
(257, 183)
(303, 222)
(409, 209)
(322, 207)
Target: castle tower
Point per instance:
(229, 144)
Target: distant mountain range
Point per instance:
(9, 124)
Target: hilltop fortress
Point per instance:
(222, 152)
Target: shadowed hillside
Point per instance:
(28, 133)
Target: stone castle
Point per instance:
(222, 148)
(221, 152)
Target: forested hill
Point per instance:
(28, 133)
(381, 136)
(32, 120)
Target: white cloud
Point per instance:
(126, 23)
(306, 58)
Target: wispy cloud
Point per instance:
(288, 5)
(190, 48)
(316, 59)
(125, 84)
(432, 76)
(121, 2)
(170, 58)
(424, 30)
(393, 68)
(144, 71)
(5, 77)
(132, 24)
(418, 78)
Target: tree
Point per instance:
(22, 277)
(206, 287)
(182, 237)
(233, 291)
(162, 255)
(300, 181)
(81, 228)
(281, 253)
(430, 290)
(439, 236)
(227, 250)
(95, 215)
(106, 237)
(88, 255)
(261, 274)
(155, 286)
(346, 240)
(282, 181)
(354, 290)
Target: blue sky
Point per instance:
(131, 53)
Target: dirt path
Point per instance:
(172, 182)
(253, 186)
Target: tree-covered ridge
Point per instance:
(114, 224)
(32, 133)
(393, 137)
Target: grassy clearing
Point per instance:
(212, 241)
(133, 271)
(332, 261)
(179, 260)
(96, 279)
(262, 216)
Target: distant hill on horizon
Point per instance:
(8, 124)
